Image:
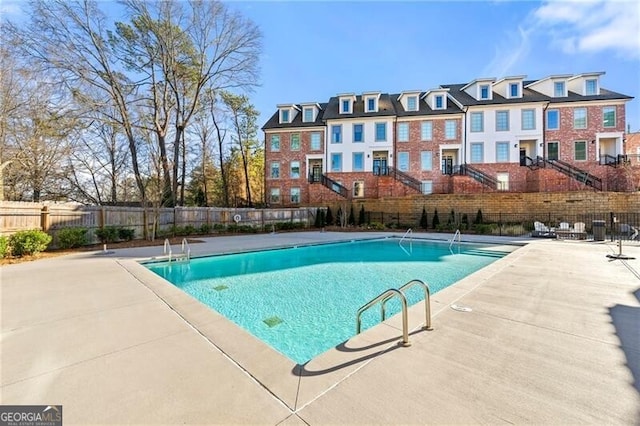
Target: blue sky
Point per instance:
(315, 50)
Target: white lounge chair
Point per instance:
(541, 230)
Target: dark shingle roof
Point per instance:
(385, 108)
(274, 121)
(528, 95)
(423, 107)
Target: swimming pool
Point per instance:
(303, 300)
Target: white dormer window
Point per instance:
(484, 91)
(284, 116)
(345, 106)
(307, 115)
(371, 104)
(439, 101)
(412, 103)
(591, 87)
(559, 89)
(514, 90)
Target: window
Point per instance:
(358, 189)
(552, 151)
(336, 162)
(426, 186)
(553, 119)
(381, 132)
(403, 161)
(439, 102)
(308, 115)
(412, 103)
(426, 161)
(358, 161)
(591, 87)
(484, 91)
(315, 141)
(580, 150)
(295, 142)
(609, 116)
(295, 195)
(477, 152)
(275, 170)
(502, 152)
(426, 131)
(336, 133)
(295, 170)
(284, 116)
(358, 133)
(275, 195)
(558, 89)
(503, 181)
(403, 132)
(477, 121)
(528, 119)
(371, 104)
(514, 90)
(450, 129)
(346, 106)
(502, 121)
(275, 143)
(579, 118)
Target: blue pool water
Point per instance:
(303, 301)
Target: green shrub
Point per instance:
(108, 234)
(436, 220)
(4, 247)
(189, 229)
(361, 216)
(329, 217)
(126, 234)
(29, 242)
(478, 220)
(424, 222)
(72, 237)
(205, 229)
(352, 218)
(376, 226)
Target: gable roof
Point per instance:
(423, 107)
(274, 121)
(385, 108)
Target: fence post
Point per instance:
(44, 218)
(500, 223)
(102, 217)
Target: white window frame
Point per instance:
(575, 151)
(595, 86)
(403, 132)
(358, 189)
(426, 165)
(299, 138)
(295, 191)
(584, 126)
(306, 110)
(413, 99)
(350, 104)
(337, 155)
(423, 130)
(549, 111)
(503, 181)
(502, 144)
(295, 164)
(447, 135)
(556, 143)
(361, 133)
(339, 127)
(523, 120)
(481, 87)
(375, 127)
(282, 116)
(272, 168)
(615, 116)
(375, 104)
(426, 187)
(501, 113)
(312, 142)
(471, 147)
(471, 124)
(353, 162)
(555, 89)
(275, 138)
(435, 102)
(402, 154)
(511, 86)
(274, 192)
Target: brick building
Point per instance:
(559, 133)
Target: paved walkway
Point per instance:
(553, 337)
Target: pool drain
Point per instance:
(272, 321)
(220, 287)
(461, 308)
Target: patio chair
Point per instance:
(564, 226)
(541, 230)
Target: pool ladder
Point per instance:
(186, 251)
(389, 294)
(457, 234)
(408, 234)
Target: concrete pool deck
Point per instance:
(553, 337)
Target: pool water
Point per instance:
(303, 300)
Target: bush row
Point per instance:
(24, 243)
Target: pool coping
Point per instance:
(299, 385)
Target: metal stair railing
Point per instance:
(392, 292)
(479, 175)
(330, 183)
(575, 173)
(405, 179)
(427, 302)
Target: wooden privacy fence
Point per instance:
(18, 216)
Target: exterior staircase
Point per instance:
(478, 175)
(330, 183)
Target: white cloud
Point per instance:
(589, 27)
(505, 59)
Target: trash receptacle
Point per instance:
(598, 230)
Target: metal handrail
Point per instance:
(167, 248)
(388, 294)
(408, 233)
(427, 302)
(185, 244)
(453, 240)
